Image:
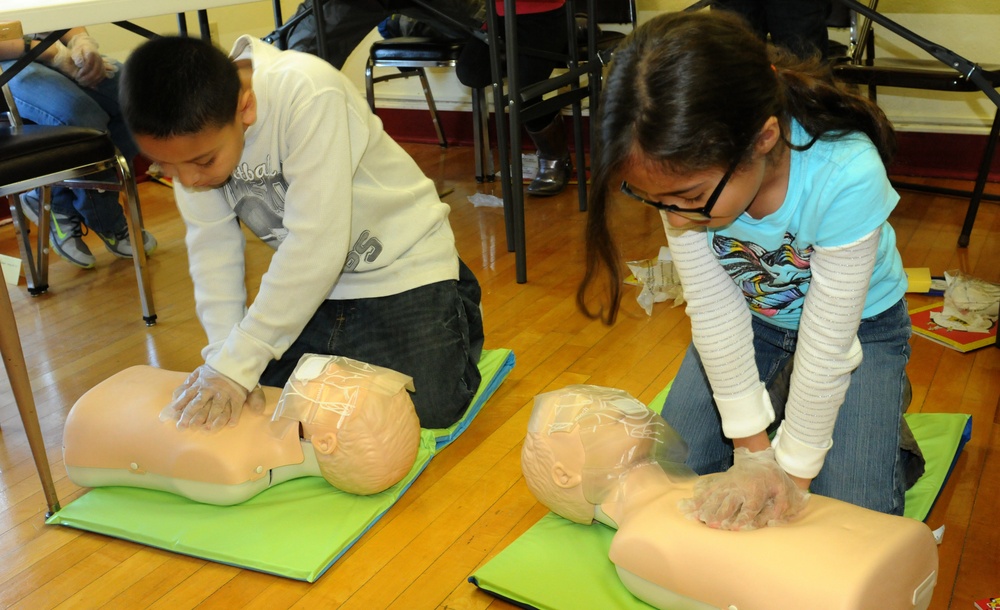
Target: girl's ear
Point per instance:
(768, 137)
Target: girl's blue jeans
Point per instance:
(433, 333)
(45, 96)
(865, 466)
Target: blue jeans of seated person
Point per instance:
(433, 333)
(46, 96)
(865, 465)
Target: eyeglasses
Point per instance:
(702, 213)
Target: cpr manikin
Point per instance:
(349, 422)
(597, 453)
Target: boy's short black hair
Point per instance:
(177, 85)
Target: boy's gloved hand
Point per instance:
(88, 61)
(754, 493)
(209, 399)
(255, 402)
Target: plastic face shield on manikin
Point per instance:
(617, 433)
(323, 391)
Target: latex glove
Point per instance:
(754, 493)
(110, 67)
(89, 63)
(255, 402)
(63, 60)
(209, 399)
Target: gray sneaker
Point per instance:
(121, 246)
(65, 232)
(30, 204)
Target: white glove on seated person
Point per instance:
(209, 399)
(89, 62)
(80, 61)
(754, 493)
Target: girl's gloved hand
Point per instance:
(754, 493)
(209, 399)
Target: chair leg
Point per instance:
(370, 83)
(984, 172)
(481, 137)
(34, 261)
(20, 385)
(432, 107)
(134, 221)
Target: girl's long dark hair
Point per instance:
(690, 91)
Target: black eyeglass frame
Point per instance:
(702, 213)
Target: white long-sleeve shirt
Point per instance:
(821, 263)
(348, 211)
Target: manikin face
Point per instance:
(203, 160)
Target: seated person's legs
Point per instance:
(543, 32)
(46, 97)
(348, 23)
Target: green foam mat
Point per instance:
(494, 365)
(561, 565)
(277, 530)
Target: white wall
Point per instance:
(967, 27)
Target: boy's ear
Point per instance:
(247, 107)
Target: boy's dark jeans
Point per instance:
(433, 333)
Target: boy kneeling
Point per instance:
(365, 264)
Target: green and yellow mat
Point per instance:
(560, 565)
(278, 531)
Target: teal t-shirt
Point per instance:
(838, 192)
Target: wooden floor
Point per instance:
(471, 501)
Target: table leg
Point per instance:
(17, 373)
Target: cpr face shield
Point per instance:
(325, 390)
(617, 433)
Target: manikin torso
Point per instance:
(594, 453)
(833, 555)
(114, 436)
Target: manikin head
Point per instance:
(582, 439)
(359, 418)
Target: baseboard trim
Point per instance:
(921, 154)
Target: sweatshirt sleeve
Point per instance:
(216, 263)
(327, 138)
(722, 334)
(827, 352)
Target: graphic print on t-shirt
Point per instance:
(775, 282)
(257, 195)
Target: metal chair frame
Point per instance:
(443, 58)
(948, 71)
(71, 176)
